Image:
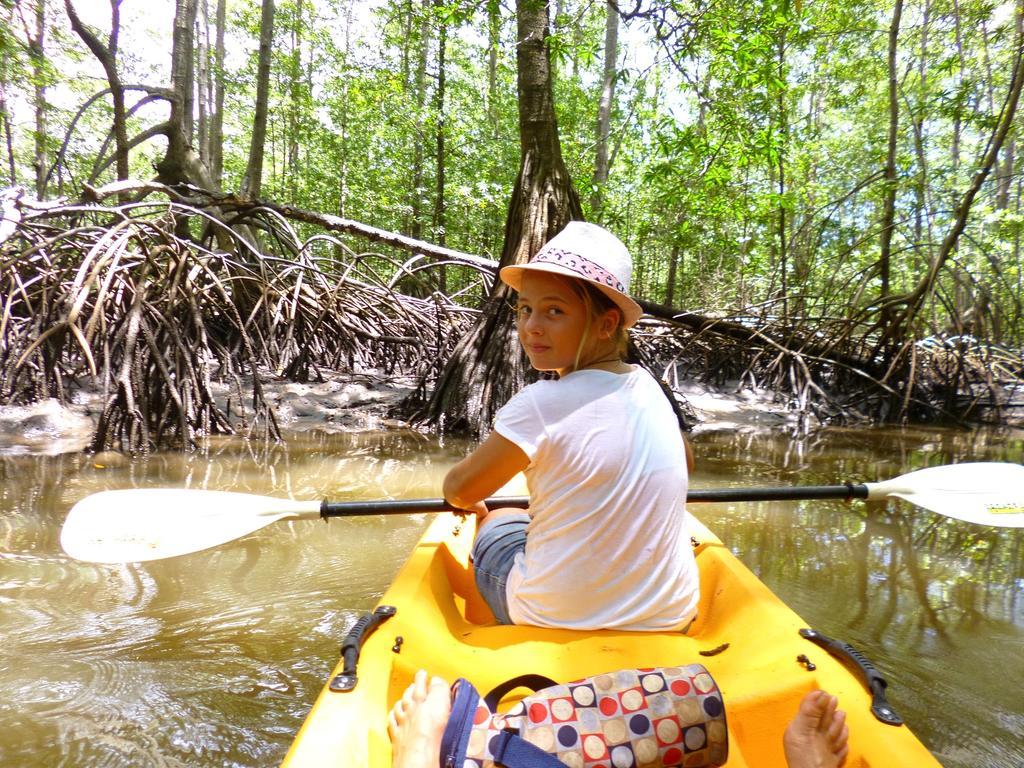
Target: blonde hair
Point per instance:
(597, 304)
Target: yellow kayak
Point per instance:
(748, 639)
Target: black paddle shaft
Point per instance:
(846, 492)
(413, 506)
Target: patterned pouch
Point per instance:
(634, 718)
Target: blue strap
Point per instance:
(455, 738)
(514, 751)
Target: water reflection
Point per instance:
(935, 603)
(207, 659)
(214, 658)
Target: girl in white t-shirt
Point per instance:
(605, 541)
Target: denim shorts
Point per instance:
(494, 552)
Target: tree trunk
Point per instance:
(781, 222)
(544, 199)
(415, 227)
(439, 94)
(958, 107)
(407, 18)
(604, 108)
(1005, 172)
(217, 115)
(37, 49)
(673, 269)
(889, 200)
(181, 163)
(204, 84)
(343, 120)
(294, 105)
(918, 122)
(1019, 292)
(486, 368)
(5, 119)
(253, 180)
(493, 41)
(187, 69)
(107, 56)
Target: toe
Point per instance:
(828, 712)
(837, 730)
(812, 708)
(392, 725)
(419, 685)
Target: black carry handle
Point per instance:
(876, 684)
(533, 682)
(353, 644)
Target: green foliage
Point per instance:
(748, 137)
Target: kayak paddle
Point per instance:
(152, 523)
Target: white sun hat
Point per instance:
(586, 252)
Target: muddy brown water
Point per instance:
(213, 659)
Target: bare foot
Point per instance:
(417, 722)
(817, 736)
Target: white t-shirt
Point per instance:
(608, 544)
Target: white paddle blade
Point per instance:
(986, 493)
(152, 523)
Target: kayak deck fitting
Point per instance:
(748, 639)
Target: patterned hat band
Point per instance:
(608, 269)
(583, 266)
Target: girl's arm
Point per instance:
(495, 461)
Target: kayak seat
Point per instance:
(454, 556)
(459, 584)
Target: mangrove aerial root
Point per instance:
(165, 305)
(141, 302)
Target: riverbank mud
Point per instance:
(354, 402)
